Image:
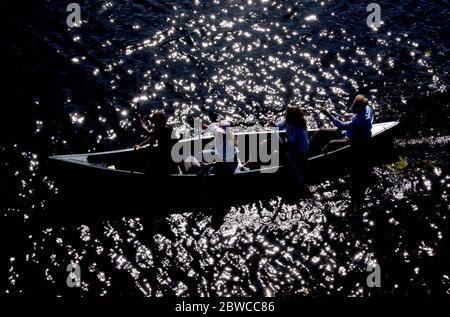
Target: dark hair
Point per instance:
(159, 119)
(360, 103)
(295, 116)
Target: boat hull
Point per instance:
(87, 186)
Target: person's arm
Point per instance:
(281, 125)
(145, 142)
(342, 125)
(148, 140)
(371, 114)
(144, 126)
(212, 128)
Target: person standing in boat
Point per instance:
(296, 137)
(160, 136)
(358, 132)
(225, 148)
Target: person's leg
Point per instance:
(300, 161)
(359, 173)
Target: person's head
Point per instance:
(360, 103)
(223, 127)
(224, 130)
(159, 119)
(295, 116)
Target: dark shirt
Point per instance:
(297, 138)
(162, 137)
(163, 163)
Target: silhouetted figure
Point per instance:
(358, 132)
(295, 142)
(225, 149)
(160, 136)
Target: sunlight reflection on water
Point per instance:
(244, 61)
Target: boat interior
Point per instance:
(248, 144)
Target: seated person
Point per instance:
(297, 144)
(225, 149)
(160, 136)
(358, 127)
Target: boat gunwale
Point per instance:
(71, 158)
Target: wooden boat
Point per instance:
(118, 179)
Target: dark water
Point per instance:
(76, 90)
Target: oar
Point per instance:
(139, 117)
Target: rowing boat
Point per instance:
(118, 179)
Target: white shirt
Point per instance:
(225, 149)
